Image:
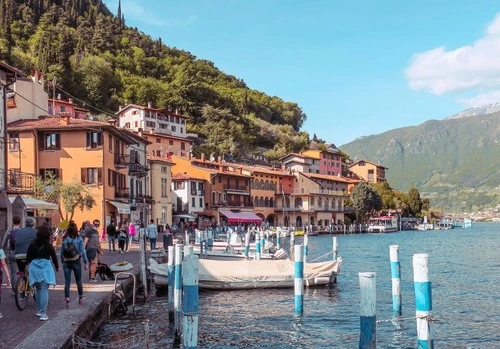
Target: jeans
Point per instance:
(111, 243)
(152, 241)
(42, 296)
(76, 267)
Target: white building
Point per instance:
(188, 195)
(27, 98)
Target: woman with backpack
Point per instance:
(72, 252)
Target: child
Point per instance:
(4, 272)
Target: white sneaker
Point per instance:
(38, 313)
(44, 317)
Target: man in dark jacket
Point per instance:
(24, 237)
(111, 233)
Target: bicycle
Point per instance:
(23, 290)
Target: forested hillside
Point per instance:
(96, 57)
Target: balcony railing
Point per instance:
(236, 187)
(232, 204)
(122, 160)
(137, 170)
(143, 199)
(298, 192)
(18, 182)
(122, 193)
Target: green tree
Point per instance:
(69, 196)
(365, 199)
(414, 201)
(387, 195)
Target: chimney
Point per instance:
(176, 111)
(219, 159)
(111, 121)
(120, 107)
(59, 96)
(150, 105)
(70, 100)
(140, 131)
(203, 157)
(64, 119)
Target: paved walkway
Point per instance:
(16, 326)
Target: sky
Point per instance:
(355, 68)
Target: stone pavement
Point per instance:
(16, 326)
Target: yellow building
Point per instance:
(94, 153)
(159, 181)
(369, 171)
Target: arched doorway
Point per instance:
(271, 219)
(287, 221)
(298, 221)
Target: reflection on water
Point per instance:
(464, 271)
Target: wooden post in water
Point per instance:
(247, 244)
(177, 291)
(306, 246)
(367, 320)
(142, 248)
(299, 279)
(190, 267)
(396, 279)
(423, 300)
(171, 281)
(335, 248)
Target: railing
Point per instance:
(237, 187)
(122, 193)
(298, 192)
(138, 170)
(143, 199)
(18, 182)
(232, 204)
(122, 160)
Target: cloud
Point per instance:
(481, 99)
(474, 66)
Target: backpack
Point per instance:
(70, 252)
(12, 238)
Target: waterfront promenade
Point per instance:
(23, 329)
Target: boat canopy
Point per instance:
(241, 217)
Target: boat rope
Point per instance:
(320, 257)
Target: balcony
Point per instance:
(137, 170)
(145, 199)
(122, 193)
(122, 160)
(232, 204)
(298, 192)
(18, 182)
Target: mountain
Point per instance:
(454, 162)
(482, 110)
(104, 63)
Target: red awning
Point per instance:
(241, 217)
(204, 213)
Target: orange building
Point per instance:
(60, 106)
(94, 153)
(369, 171)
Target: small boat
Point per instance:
(383, 224)
(250, 274)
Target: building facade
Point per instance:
(159, 181)
(369, 171)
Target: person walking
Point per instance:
(93, 248)
(4, 274)
(122, 237)
(111, 233)
(41, 272)
(125, 227)
(24, 237)
(152, 234)
(9, 247)
(131, 233)
(72, 253)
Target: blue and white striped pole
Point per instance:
(367, 319)
(396, 279)
(257, 247)
(299, 279)
(423, 300)
(262, 242)
(178, 290)
(278, 239)
(171, 278)
(306, 247)
(190, 303)
(292, 241)
(247, 244)
(335, 248)
(188, 250)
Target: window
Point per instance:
(91, 175)
(201, 202)
(50, 173)
(127, 125)
(62, 108)
(151, 124)
(179, 185)
(164, 188)
(173, 128)
(193, 202)
(170, 142)
(50, 141)
(183, 146)
(193, 188)
(13, 141)
(94, 140)
(182, 130)
(158, 140)
(158, 153)
(136, 124)
(110, 143)
(164, 169)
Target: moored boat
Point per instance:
(383, 224)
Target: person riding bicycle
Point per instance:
(24, 237)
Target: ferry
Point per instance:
(383, 224)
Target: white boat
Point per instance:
(230, 253)
(249, 274)
(383, 224)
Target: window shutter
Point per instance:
(99, 175)
(58, 141)
(99, 139)
(84, 175)
(41, 141)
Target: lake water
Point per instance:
(464, 269)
